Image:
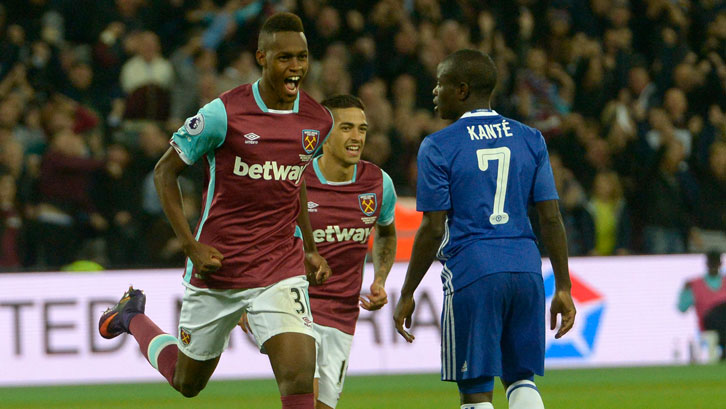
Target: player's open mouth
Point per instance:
(291, 84)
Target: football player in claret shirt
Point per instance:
(347, 197)
(476, 180)
(257, 139)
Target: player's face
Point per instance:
(284, 64)
(348, 137)
(444, 93)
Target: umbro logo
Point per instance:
(312, 207)
(252, 138)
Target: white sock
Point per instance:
(481, 405)
(524, 395)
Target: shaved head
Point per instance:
(471, 67)
(276, 23)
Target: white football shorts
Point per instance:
(333, 351)
(208, 316)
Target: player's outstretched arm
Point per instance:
(555, 240)
(384, 254)
(425, 245)
(317, 269)
(205, 258)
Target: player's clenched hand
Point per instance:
(316, 268)
(562, 304)
(402, 315)
(244, 324)
(206, 259)
(376, 299)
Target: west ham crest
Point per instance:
(368, 203)
(310, 138)
(185, 336)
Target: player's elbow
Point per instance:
(433, 225)
(433, 230)
(548, 213)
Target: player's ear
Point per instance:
(462, 91)
(260, 57)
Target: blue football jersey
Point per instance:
(485, 170)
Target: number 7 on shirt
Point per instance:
(502, 155)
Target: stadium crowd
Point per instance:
(630, 95)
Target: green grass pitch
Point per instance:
(690, 387)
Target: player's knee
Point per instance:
(190, 389)
(294, 382)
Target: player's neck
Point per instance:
(473, 104)
(334, 171)
(272, 100)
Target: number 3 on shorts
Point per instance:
(300, 297)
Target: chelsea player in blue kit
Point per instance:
(476, 180)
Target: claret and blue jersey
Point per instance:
(256, 159)
(343, 216)
(485, 170)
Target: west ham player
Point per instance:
(476, 179)
(347, 197)
(257, 140)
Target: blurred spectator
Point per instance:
(66, 215)
(146, 79)
(710, 232)
(540, 100)
(668, 195)
(610, 215)
(663, 132)
(185, 95)
(707, 295)
(11, 224)
(116, 195)
(573, 206)
(242, 70)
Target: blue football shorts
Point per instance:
(494, 326)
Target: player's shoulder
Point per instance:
(369, 170)
(236, 94)
(364, 165)
(523, 129)
(309, 106)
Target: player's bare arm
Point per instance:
(384, 254)
(317, 269)
(555, 240)
(425, 244)
(166, 172)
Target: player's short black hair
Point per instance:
(473, 67)
(282, 21)
(276, 23)
(343, 101)
(713, 258)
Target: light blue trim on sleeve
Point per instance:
(685, 300)
(298, 232)
(201, 133)
(388, 205)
